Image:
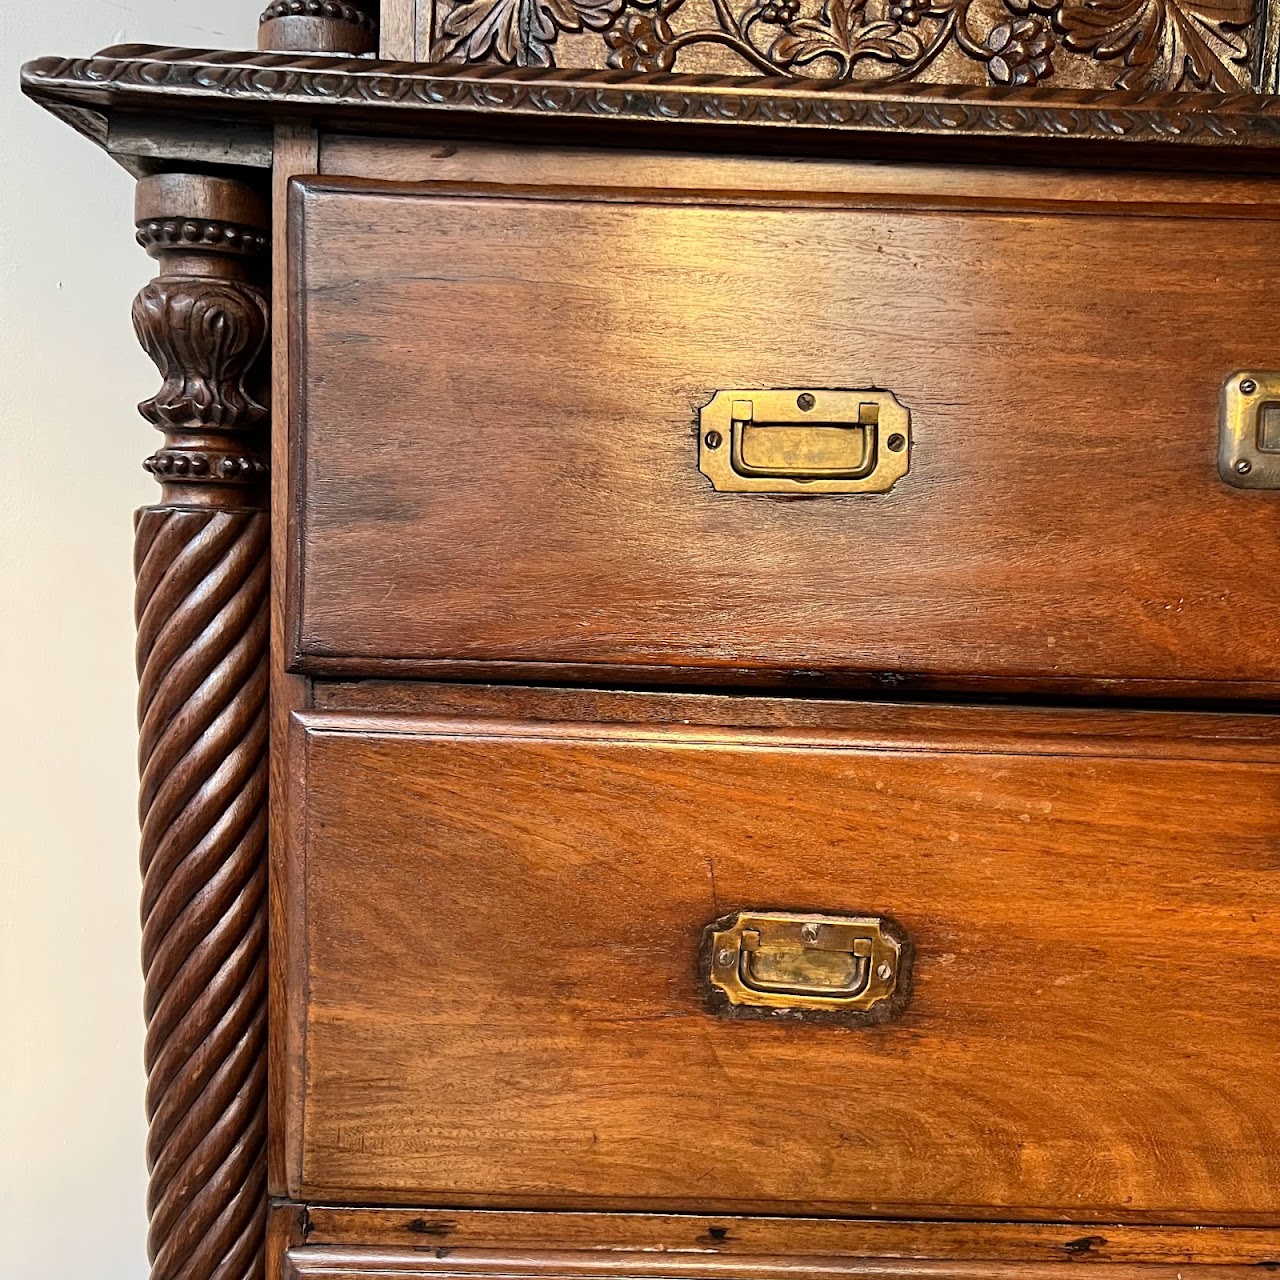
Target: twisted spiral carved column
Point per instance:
(203, 577)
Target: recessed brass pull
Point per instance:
(804, 441)
(1249, 430)
(776, 960)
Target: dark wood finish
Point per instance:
(1196, 735)
(203, 573)
(357, 1264)
(295, 152)
(499, 979)
(397, 24)
(439, 160)
(485, 900)
(1069, 42)
(628, 109)
(510, 499)
(623, 35)
(286, 1229)
(739, 1237)
(319, 26)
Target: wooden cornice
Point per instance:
(174, 87)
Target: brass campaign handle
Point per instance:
(781, 960)
(1249, 430)
(804, 442)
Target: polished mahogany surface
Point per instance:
(498, 465)
(499, 987)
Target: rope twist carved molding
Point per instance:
(279, 83)
(202, 562)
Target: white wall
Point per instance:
(72, 1161)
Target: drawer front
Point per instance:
(502, 992)
(498, 446)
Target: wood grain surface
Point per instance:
(1061, 730)
(498, 987)
(497, 409)
(455, 159)
(295, 151)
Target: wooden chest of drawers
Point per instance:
(727, 729)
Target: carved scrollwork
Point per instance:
(520, 32)
(1175, 44)
(1124, 44)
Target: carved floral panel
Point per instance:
(1124, 44)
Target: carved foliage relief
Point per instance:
(1123, 44)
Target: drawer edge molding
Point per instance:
(733, 1236)
(356, 1263)
(1070, 741)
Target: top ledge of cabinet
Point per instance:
(164, 87)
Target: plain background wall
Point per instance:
(72, 1126)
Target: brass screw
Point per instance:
(1243, 467)
(896, 441)
(805, 401)
(1248, 387)
(884, 973)
(725, 958)
(809, 932)
(713, 439)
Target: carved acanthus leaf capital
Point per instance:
(204, 322)
(205, 337)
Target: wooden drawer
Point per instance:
(498, 437)
(500, 986)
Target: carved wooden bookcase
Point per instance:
(202, 130)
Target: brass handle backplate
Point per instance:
(778, 960)
(1249, 430)
(804, 442)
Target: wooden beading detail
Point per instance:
(320, 26)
